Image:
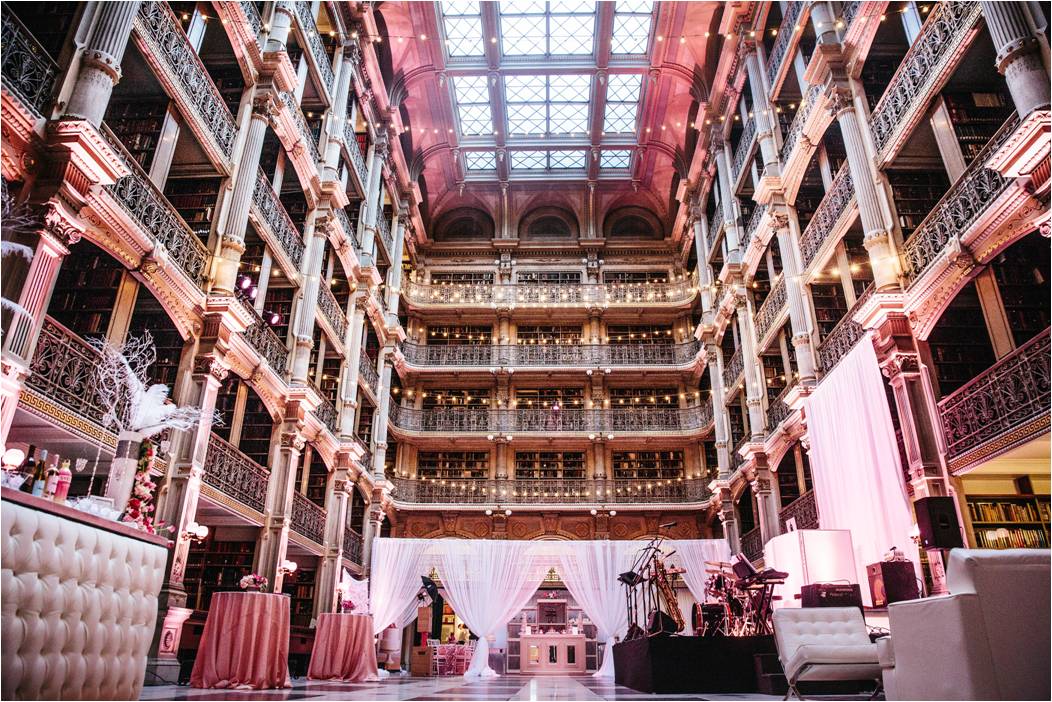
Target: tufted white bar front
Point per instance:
(79, 602)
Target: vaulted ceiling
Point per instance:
(539, 101)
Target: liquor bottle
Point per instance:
(40, 475)
(28, 468)
(51, 480)
(65, 477)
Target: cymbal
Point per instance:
(721, 564)
(716, 572)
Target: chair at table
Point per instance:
(463, 657)
(437, 658)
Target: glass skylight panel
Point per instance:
(619, 158)
(480, 160)
(547, 160)
(622, 101)
(540, 105)
(566, 160)
(560, 28)
(473, 107)
(529, 160)
(462, 22)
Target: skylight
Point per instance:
(462, 21)
(632, 21)
(544, 105)
(473, 107)
(558, 28)
(480, 160)
(547, 160)
(616, 158)
(622, 102)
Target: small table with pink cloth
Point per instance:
(245, 644)
(344, 649)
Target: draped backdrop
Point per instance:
(488, 582)
(855, 465)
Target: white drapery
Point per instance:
(857, 474)
(692, 554)
(394, 579)
(589, 569)
(487, 583)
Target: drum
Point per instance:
(712, 620)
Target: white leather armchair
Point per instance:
(824, 643)
(987, 640)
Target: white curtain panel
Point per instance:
(487, 583)
(396, 567)
(589, 569)
(858, 480)
(692, 555)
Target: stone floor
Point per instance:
(509, 687)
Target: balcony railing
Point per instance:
(958, 209)
(1011, 393)
(829, 211)
(63, 371)
(383, 231)
(848, 10)
(350, 226)
(308, 519)
(186, 69)
(732, 369)
(741, 153)
(568, 355)
(839, 342)
(777, 410)
(320, 59)
(25, 67)
(786, 33)
(367, 371)
(252, 15)
(277, 219)
(306, 135)
(804, 510)
(715, 224)
(597, 421)
(352, 545)
(148, 206)
(921, 69)
(267, 344)
(331, 310)
(771, 310)
(581, 492)
(752, 544)
(236, 475)
(755, 219)
(327, 415)
(796, 129)
(355, 152)
(555, 295)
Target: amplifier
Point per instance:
(831, 595)
(892, 581)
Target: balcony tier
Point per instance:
(490, 356)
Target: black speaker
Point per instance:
(892, 581)
(937, 521)
(660, 624)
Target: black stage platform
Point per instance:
(683, 664)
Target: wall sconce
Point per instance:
(194, 532)
(287, 567)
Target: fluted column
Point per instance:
(233, 231)
(331, 562)
(337, 118)
(306, 311)
(766, 506)
(272, 546)
(380, 420)
(754, 389)
(882, 259)
(280, 25)
(394, 273)
(374, 520)
(732, 232)
(353, 344)
(721, 423)
(371, 205)
(789, 250)
(1018, 55)
(701, 244)
(761, 110)
(100, 64)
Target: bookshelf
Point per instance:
(279, 299)
(549, 464)
(1009, 521)
(976, 117)
(547, 334)
(635, 277)
(256, 430)
(465, 278)
(960, 345)
(226, 400)
(195, 198)
(365, 421)
(648, 464)
(1022, 274)
(137, 123)
(229, 81)
(916, 193)
(641, 397)
(830, 306)
(445, 335)
(452, 464)
(548, 277)
(299, 586)
(639, 334)
(317, 479)
(215, 566)
(86, 290)
(461, 397)
(168, 342)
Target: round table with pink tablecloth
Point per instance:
(245, 644)
(344, 648)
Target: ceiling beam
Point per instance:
(604, 38)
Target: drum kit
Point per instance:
(739, 599)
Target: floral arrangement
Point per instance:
(253, 581)
(140, 509)
(347, 605)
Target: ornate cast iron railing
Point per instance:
(549, 491)
(186, 68)
(267, 344)
(752, 544)
(786, 32)
(848, 10)
(920, 70)
(633, 419)
(25, 67)
(383, 231)
(252, 15)
(829, 211)
(63, 371)
(843, 337)
(733, 368)
(277, 219)
(308, 519)
(569, 355)
(350, 226)
(355, 152)
(235, 474)
(331, 310)
(777, 410)
(141, 199)
(958, 209)
(352, 545)
(326, 414)
(743, 149)
(309, 28)
(755, 219)
(715, 224)
(555, 295)
(803, 509)
(306, 135)
(367, 371)
(771, 309)
(1011, 393)
(796, 129)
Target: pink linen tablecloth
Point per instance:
(245, 644)
(344, 649)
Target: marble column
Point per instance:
(394, 273)
(701, 250)
(337, 118)
(374, 519)
(380, 420)
(766, 503)
(789, 250)
(280, 26)
(1018, 55)
(731, 226)
(331, 563)
(100, 64)
(273, 541)
(721, 422)
(305, 320)
(353, 344)
(761, 109)
(754, 382)
(371, 205)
